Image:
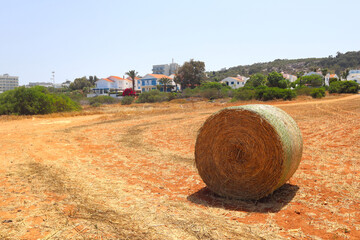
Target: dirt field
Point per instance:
(128, 173)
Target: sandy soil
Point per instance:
(128, 173)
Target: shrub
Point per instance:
(344, 87)
(288, 94)
(127, 100)
(266, 94)
(210, 93)
(284, 83)
(244, 94)
(172, 96)
(331, 80)
(103, 100)
(317, 93)
(35, 100)
(129, 92)
(213, 85)
(314, 80)
(303, 90)
(153, 96)
(187, 92)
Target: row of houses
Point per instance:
(152, 81)
(147, 83)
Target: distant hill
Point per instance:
(335, 64)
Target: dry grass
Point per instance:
(124, 172)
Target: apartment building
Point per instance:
(8, 82)
(165, 69)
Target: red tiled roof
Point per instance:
(119, 78)
(237, 79)
(159, 76)
(129, 78)
(106, 79)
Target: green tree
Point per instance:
(331, 80)
(274, 78)
(314, 80)
(80, 84)
(190, 74)
(132, 74)
(256, 80)
(34, 100)
(300, 74)
(345, 73)
(92, 80)
(165, 81)
(324, 71)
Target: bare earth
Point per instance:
(128, 173)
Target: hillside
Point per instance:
(335, 64)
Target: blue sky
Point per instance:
(78, 38)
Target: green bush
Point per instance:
(103, 100)
(213, 85)
(153, 96)
(244, 94)
(317, 93)
(172, 96)
(187, 92)
(303, 90)
(344, 87)
(210, 93)
(314, 80)
(35, 100)
(127, 100)
(265, 94)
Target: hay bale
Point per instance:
(247, 152)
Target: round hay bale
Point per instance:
(247, 152)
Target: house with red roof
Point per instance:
(235, 82)
(328, 77)
(152, 81)
(111, 84)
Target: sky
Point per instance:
(76, 38)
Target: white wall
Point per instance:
(101, 83)
(236, 84)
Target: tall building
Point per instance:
(8, 82)
(161, 69)
(165, 69)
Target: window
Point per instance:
(232, 83)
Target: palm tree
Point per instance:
(132, 74)
(165, 81)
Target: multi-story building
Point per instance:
(165, 69)
(152, 81)
(8, 82)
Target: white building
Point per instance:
(112, 84)
(328, 76)
(8, 82)
(235, 82)
(354, 75)
(151, 82)
(291, 78)
(165, 69)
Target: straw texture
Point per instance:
(247, 152)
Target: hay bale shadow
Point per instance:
(270, 204)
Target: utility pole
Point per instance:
(53, 79)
